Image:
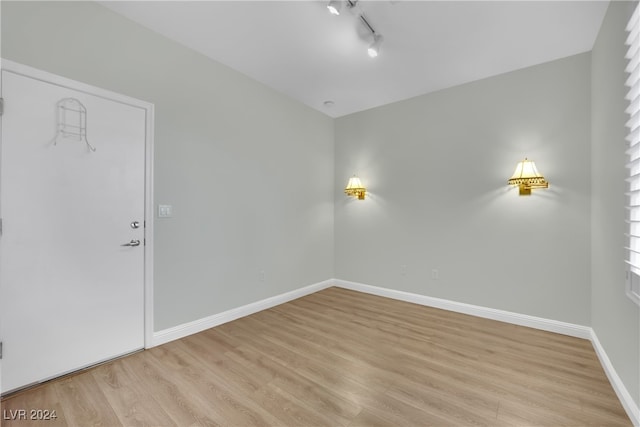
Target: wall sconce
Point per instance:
(527, 177)
(355, 188)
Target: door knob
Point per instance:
(132, 243)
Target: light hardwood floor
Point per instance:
(342, 358)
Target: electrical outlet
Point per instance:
(403, 270)
(165, 211)
(435, 274)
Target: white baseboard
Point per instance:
(474, 310)
(186, 329)
(627, 401)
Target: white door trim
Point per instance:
(45, 76)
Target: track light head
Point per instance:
(374, 48)
(334, 7)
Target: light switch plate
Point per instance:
(165, 211)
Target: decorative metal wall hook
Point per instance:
(72, 121)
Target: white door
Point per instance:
(71, 295)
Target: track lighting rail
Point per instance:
(365, 22)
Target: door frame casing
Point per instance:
(47, 77)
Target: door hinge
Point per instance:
(0, 226)
(0, 350)
(1, 106)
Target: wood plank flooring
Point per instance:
(341, 358)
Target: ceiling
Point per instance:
(300, 49)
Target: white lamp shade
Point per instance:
(354, 184)
(526, 169)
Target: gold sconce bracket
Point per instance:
(524, 190)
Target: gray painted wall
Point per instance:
(249, 172)
(615, 318)
(437, 168)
